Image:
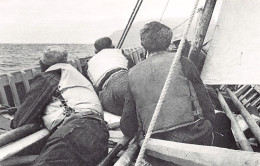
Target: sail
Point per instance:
(234, 55)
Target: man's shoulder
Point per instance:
(47, 76)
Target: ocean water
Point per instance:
(14, 57)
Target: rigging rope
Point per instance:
(164, 10)
(180, 24)
(175, 66)
(129, 23)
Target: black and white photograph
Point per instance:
(129, 83)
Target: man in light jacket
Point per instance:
(64, 101)
(108, 71)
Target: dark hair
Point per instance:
(104, 42)
(155, 36)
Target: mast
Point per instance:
(201, 31)
(129, 23)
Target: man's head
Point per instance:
(104, 42)
(52, 55)
(155, 36)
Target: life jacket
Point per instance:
(180, 107)
(76, 91)
(104, 61)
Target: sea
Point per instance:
(15, 57)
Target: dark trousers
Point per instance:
(78, 141)
(199, 133)
(112, 96)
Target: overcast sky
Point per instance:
(77, 21)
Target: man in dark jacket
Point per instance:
(187, 113)
(64, 101)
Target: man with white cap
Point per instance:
(64, 101)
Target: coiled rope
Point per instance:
(175, 66)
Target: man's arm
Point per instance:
(129, 122)
(191, 72)
(36, 99)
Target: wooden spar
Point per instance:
(19, 160)
(199, 13)
(128, 155)
(18, 133)
(239, 135)
(201, 31)
(189, 154)
(10, 110)
(19, 145)
(112, 154)
(129, 23)
(248, 118)
(114, 125)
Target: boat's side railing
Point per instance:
(13, 86)
(249, 95)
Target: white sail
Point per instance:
(234, 55)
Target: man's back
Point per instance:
(146, 82)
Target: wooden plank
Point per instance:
(2, 93)
(256, 101)
(114, 125)
(5, 123)
(19, 145)
(223, 87)
(17, 77)
(239, 135)
(248, 118)
(242, 90)
(115, 136)
(257, 88)
(137, 55)
(112, 154)
(18, 133)
(128, 54)
(128, 155)
(34, 72)
(25, 81)
(14, 90)
(245, 101)
(188, 154)
(201, 32)
(244, 95)
(19, 160)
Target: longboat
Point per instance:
(240, 94)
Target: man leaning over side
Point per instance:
(187, 113)
(108, 71)
(64, 101)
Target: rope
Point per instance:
(129, 20)
(164, 10)
(129, 23)
(179, 24)
(175, 66)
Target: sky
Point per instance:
(77, 21)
